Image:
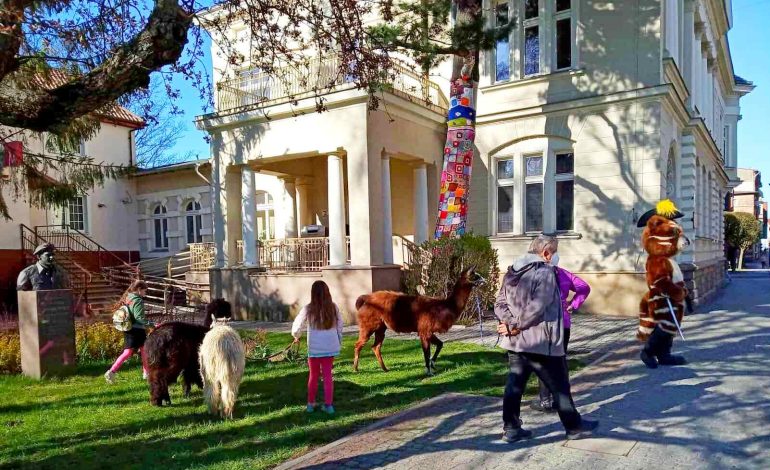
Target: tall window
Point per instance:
(502, 47)
(524, 186)
(544, 40)
(565, 191)
(563, 34)
(505, 184)
(160, 225)
(671, 176)
(531, 37)
(533, 193)
(74, 214)
(194, 222)
(265, 216)
(725, 140)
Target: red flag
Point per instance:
(14, 153)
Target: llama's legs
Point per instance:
(227, 400)
(379, 337)
(426, 353)
(363, 336)
(439, 344)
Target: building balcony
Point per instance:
(319, 77)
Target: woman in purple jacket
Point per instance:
(568, 282)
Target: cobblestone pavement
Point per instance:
(710, 414)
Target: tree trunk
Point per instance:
(461, 133)
(740, 258)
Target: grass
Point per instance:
(83, 423)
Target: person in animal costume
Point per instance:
(662, 307)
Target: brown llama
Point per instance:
(419, 314)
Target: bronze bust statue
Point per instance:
(43, 275)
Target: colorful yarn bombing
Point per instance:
(458, 157)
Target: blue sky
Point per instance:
(749, 41)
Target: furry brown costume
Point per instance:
(662, 239)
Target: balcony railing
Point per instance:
(281, 255)
(318, 77)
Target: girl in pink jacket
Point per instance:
(568, 282)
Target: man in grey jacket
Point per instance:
(528, 308)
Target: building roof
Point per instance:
(742, 81)
(114, 113)
(171, 167)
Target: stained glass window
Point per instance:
(534, 166)
(531, 50)
(502, 47)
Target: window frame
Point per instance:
(495, 4)
(561, 177)
(547, 179)
(160, 220)
(196, 217)
(266, 210)
(555, 18)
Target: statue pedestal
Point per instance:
(47, 330)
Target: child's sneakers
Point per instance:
(329, 409)
(310, 408)
(109, 376)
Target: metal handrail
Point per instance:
(99, 248)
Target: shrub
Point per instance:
(93, 342)
(97, 342)
(435, 268)
(10, 353)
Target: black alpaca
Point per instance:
(172, 349)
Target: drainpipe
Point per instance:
(198, 172)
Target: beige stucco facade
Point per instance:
(647, 109)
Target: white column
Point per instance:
(420, 203)
(290, 207)
(303, 202)
(249, 217)
(220, 259)
(337, 249)
(688, 45)
(387, 213)
(687, 194)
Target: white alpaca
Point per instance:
(222, 360)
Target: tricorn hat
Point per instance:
(43, 248)
(664, 208)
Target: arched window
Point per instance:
(671, 185)
(265, 216)
(160, 225)
(194, 222)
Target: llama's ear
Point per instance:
(213, 317)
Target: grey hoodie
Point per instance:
(529, 300)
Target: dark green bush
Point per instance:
(436, 265)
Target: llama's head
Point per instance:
(215, 322)
(470, 278)
(217, 308)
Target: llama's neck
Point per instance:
(459, 296)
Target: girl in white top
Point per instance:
(324, 340)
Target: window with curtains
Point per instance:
(194, 222)
(160, 228)
(523, 186)
(544, 40)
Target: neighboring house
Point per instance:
(588, 115)
(747, 197)
(90, 225)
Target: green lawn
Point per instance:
(83, 423)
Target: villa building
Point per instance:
(587, 115)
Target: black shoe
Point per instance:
(648, 359)
(516, 434)
(585, 430)
(542, 406)
(672, 360)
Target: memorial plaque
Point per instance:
(47, 330)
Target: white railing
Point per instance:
(317, 77)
